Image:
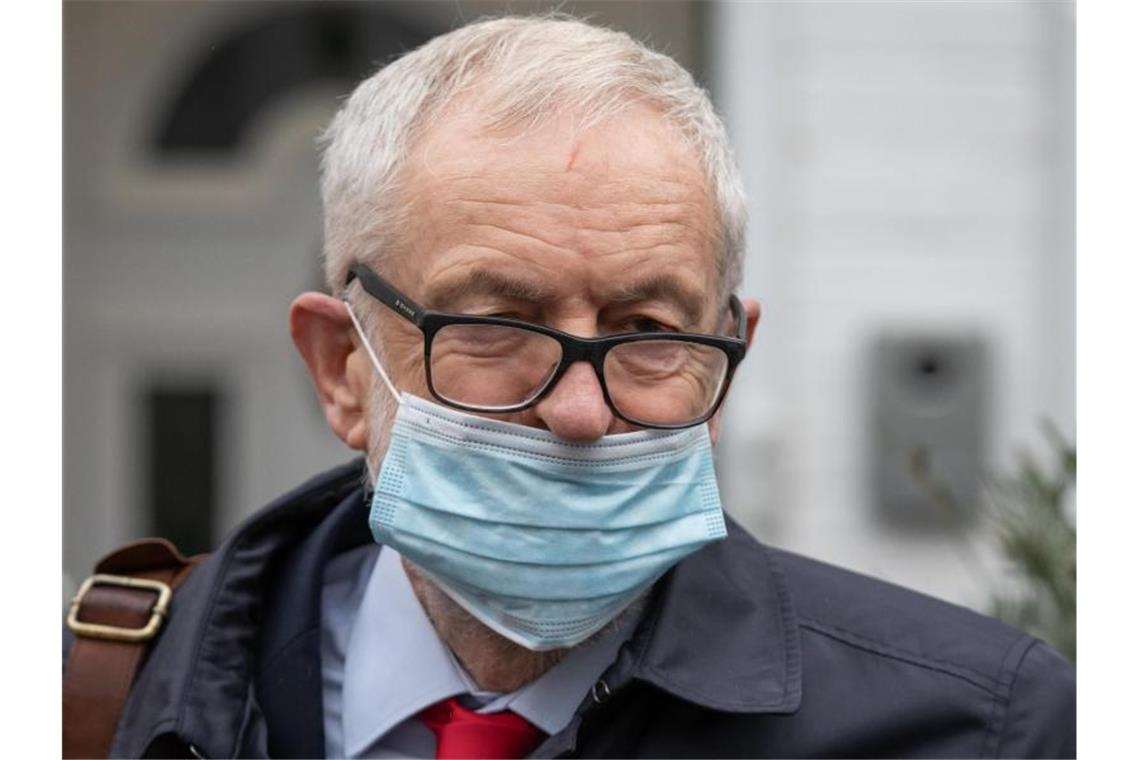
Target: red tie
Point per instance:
(461, 734)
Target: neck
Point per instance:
(495, 663)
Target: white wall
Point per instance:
(908, 168)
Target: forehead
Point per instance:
(626, 193)
(636, 142)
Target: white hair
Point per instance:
(523, 69)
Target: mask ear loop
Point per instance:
(371, 353)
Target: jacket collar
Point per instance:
(720, 632)
(198, 683)
(288, 676)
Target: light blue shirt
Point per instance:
(383, 662)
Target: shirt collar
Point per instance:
(395, 665)
(394, 642)
(550, 701)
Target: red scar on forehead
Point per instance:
(573, 156)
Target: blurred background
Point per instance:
(910, 168)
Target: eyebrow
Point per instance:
(488, 283)
(662, 287)
(484, 282)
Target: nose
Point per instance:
(575, 409)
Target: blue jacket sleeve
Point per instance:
(1041, 718)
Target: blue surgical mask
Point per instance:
(541, 540)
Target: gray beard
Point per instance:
(495, 662)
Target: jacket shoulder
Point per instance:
(1031, 686)
(887, 618)
(197, 679)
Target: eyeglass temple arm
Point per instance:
(379, 288)
(737, 309)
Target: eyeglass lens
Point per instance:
(661, 382)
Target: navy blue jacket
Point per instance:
(744, 651)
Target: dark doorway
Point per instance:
(181, 438)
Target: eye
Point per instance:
(648, 324)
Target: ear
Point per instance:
(751, 318)
(323, 333)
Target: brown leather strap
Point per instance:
(101, 668)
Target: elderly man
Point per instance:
(533, 234)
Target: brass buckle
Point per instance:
(114, 632)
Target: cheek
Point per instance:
(407, 362)
(401, 352)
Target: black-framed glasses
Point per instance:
(497, 364)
